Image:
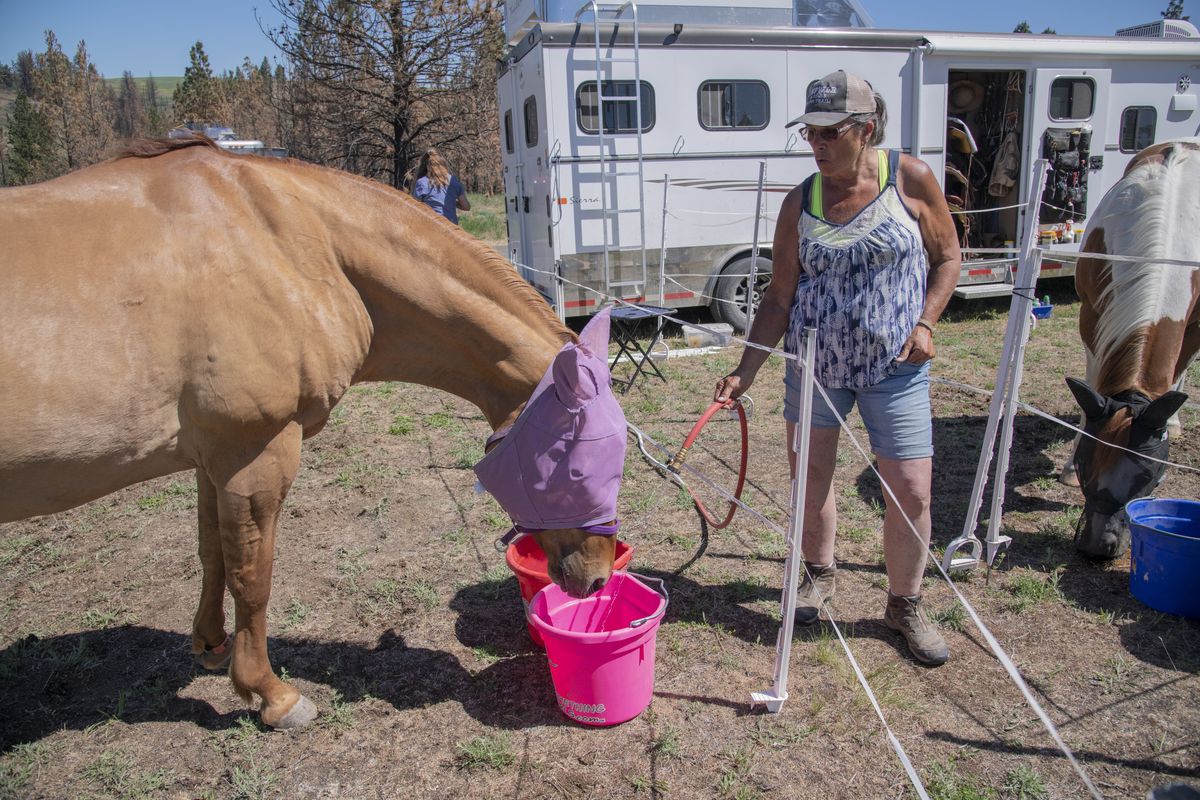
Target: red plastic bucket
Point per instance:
(601, 648)
(527, 561)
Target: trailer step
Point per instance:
(611, 60)
(975, 291)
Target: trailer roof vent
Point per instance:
(1162, 29)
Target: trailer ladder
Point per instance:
(609, 205)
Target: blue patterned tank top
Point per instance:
(862, 286)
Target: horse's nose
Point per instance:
(597, 585)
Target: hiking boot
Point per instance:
(907, 615)
(814, 592)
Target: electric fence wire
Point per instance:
(993, 644)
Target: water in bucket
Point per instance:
(1164, 565)
(601, 648)
(527, 561)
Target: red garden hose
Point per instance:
(675, 463)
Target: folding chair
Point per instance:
(625, 321)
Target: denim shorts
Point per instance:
(895, 411)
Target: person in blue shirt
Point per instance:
(438, 189)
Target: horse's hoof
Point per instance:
(216, 658)
(1069, 477)
(301, 714)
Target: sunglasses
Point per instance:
(810, 133)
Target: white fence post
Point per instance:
(1004, 396)
(774, 698)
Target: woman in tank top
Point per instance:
(866, 253)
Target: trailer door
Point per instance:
(535, 175)
(508, 102)
(1069, 127)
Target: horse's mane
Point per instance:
(149, 148)
(488, 258)
(1142, 215)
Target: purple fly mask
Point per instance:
(560, 464)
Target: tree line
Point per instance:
(363, 85)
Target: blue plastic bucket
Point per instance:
(1164, 571)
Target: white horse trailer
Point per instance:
(605, 183)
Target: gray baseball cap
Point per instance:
(834, 98)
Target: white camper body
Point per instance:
(585, 189)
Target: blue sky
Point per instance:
(154, 36)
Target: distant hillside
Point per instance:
(165, 85)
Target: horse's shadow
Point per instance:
(141, 674)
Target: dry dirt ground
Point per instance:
(394, 613)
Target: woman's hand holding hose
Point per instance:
(731, 387)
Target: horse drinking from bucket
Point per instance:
(1140, 325)
(183, 308)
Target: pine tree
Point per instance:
(196, 98)
(30, 143)
(156, 121)
(1023, 27)
(131, 113)
(1174, 11)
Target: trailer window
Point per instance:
(531, 122)
(508, 137)
(734, 105)
(1072, 98)
(618, 114)
(1137, 128)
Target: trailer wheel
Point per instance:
(729, 295)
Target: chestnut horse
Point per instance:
(1140, 325)
(183, 308)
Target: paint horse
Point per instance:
(183, 308)
(1140, 325)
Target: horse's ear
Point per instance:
(1094, 404)
(594, 336)
(1155, 415)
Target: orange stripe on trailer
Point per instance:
(579, 303)
(979, 272)
(679, 295)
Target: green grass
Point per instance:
(485, 752)
(1024, 783)
(485, 220)
(340, 715)
(1031, 589)
(18, 766)
(946, 782)
(953, 617)
(116, 773)
(666, 744)
(252, 782)
(177, 496)
(402, 425)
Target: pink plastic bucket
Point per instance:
(527, 561)
(601, 648)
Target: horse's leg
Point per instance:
(209, 643)
(1174, 426)
(250, 491)
(1068, 476)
